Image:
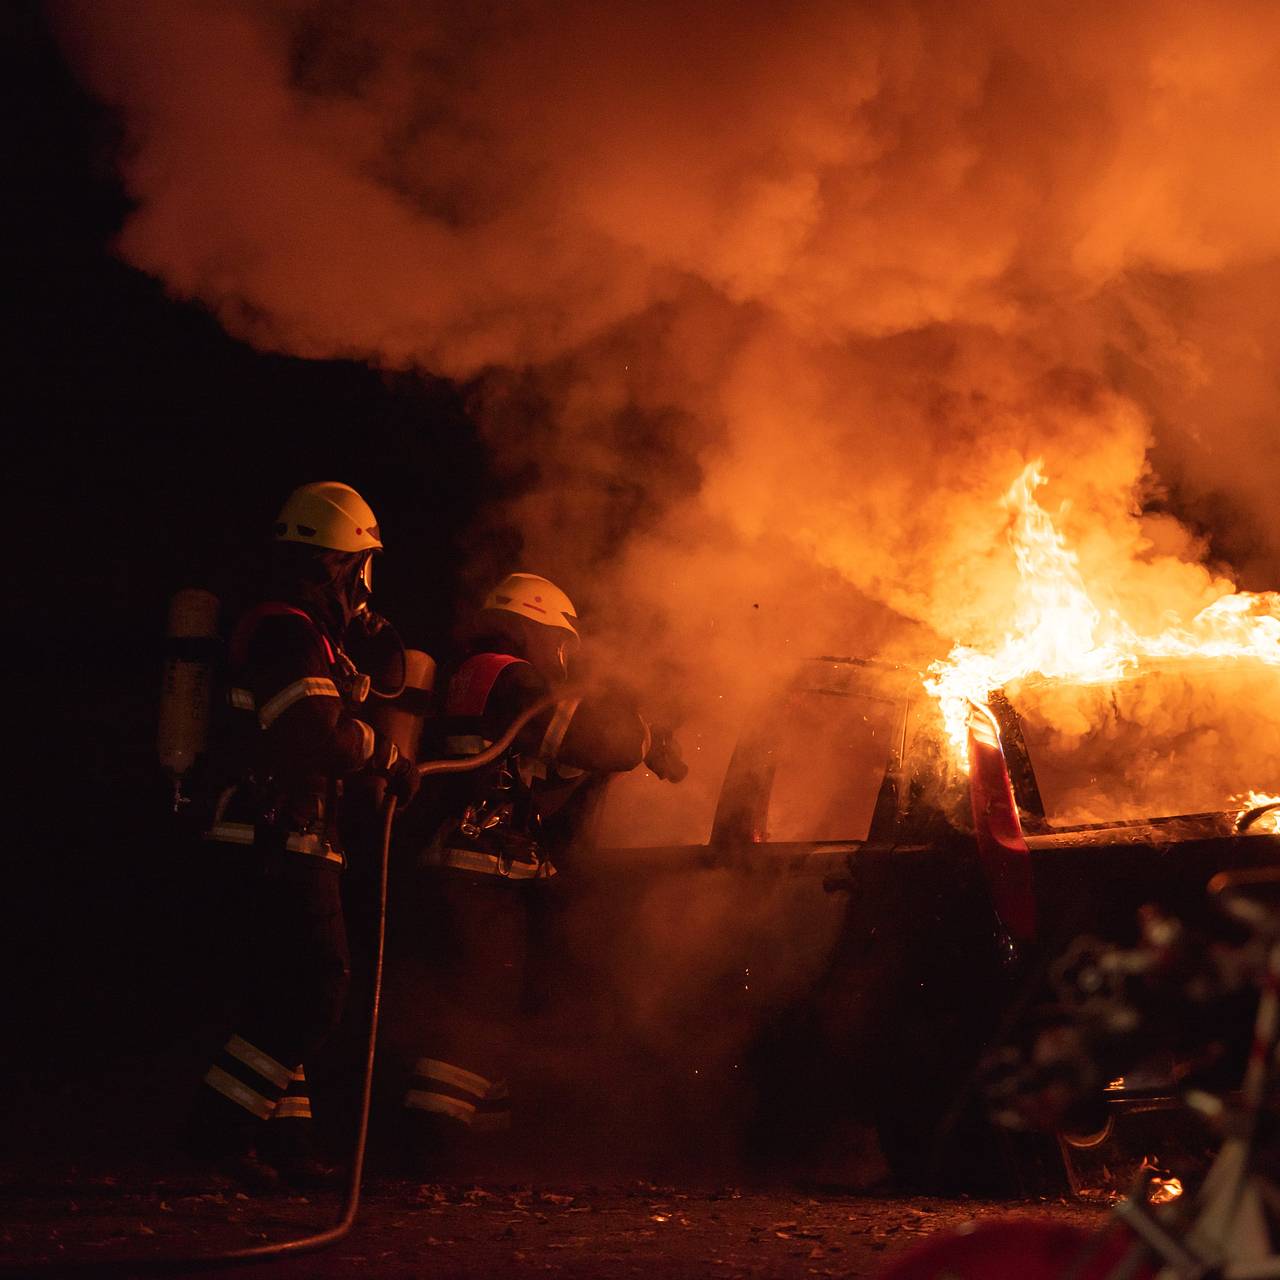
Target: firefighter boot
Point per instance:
(228, 1151)
(229, 1115)
(291, 1143)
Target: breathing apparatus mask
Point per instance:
(366, 625)
(369, 623)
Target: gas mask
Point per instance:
(361, 592)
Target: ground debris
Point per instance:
(481, 1229)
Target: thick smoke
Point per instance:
(763, 307)
(766, 304)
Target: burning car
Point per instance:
(866, 907)
(864, 880)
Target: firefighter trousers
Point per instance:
(292, 989)
(459, 1002)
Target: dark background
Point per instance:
(148, 451)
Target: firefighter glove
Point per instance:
(665, 758)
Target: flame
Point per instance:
(1057, 631)
(1269, 822)
(1163, 1190)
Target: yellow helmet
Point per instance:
(533, 597)
(328, 514)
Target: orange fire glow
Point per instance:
(1058, 632)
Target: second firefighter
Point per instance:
(495, 842)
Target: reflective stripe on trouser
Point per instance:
(296, 1103)
(249, 1077)
(466, 1097)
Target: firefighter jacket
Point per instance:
(496, 819)
(296, 691)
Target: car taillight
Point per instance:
(1002, 848)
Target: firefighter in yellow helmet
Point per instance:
(298, 697)
(494, 842)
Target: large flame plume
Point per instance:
(1057, 630)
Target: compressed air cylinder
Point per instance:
(401, 718)
(190, 648)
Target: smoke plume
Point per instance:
(762, 306)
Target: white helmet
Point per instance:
(328, 514)
(533, 597)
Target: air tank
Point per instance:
(401, 718)
(191, 641)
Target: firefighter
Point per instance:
(500, 837)
(296, 695)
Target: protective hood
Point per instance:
(323, 582)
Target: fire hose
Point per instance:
(351, 1204)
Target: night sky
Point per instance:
(150, 452)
